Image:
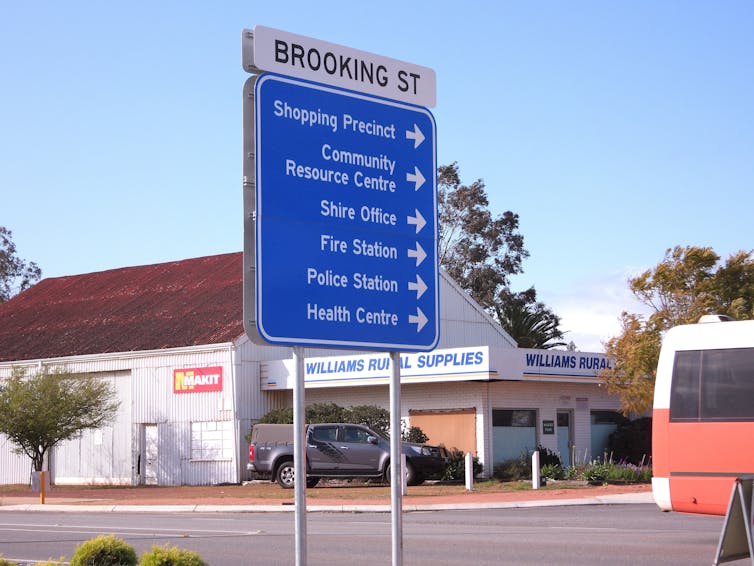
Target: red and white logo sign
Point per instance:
(197, 380)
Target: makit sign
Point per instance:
(198, 380)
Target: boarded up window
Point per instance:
(454, 428)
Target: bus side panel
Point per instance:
(660, 449)
(704, 460)
(708, 496)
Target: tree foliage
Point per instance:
(529, 322)
(45, 408)
(478, 250)
(372, 416)
(15, 273)
(481, 252)
(688, 283)
(376, 418)
(634, 355)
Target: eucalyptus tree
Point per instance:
(689, 282)
(479, 250)
(16, 274)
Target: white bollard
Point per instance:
(535, 470)
(469, 471)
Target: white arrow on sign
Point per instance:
(416, 135)
(416, 177)
(420, 286)
(418, 253)
(419, 319)
(418, 220)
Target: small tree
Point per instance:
(43, 409)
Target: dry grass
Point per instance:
(264, 491)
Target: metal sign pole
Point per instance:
(299, 454)
(396, 478)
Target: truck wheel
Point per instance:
(410, 474)
(312, 482)
(285, 475)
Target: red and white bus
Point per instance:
(703, 418)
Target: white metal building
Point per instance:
(170, 338)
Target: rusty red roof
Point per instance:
(149, 307)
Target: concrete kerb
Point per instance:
(613, 499)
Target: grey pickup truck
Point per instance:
(337, 450)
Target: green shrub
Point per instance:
(629, 473)
(609, 472)
(376, 418)
(597, 473)
(4, 562)
(456, 469)
(520, 468)
(171, 556)
(318, 413)
(552, 472)
(372, 416)
(645, 475)
(548, 458)
(414, 434)
(514, 470)
(104, 550)
(574, 473)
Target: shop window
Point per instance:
(514, 434)
(603, 424)
(514, 417)
(212, 440)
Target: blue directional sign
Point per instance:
(346, 218)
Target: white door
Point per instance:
(150, 454)
(565, 442)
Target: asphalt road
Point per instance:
(582, 535)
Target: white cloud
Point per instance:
(590, 309)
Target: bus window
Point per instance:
(684, 392)
(713, 385)
(727, 385)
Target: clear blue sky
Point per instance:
(614, 129)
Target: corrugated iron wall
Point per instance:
(16, 468)
(155, 403)
(102, 456)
